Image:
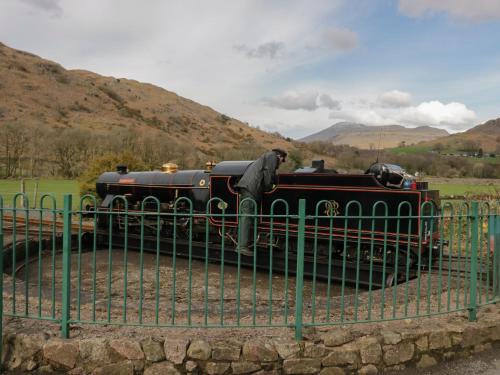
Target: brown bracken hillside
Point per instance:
(485, 136)
(41, 93)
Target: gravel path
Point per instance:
(210, 298)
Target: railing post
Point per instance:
(495, 225)
(299, 284)
(1, 297)
(474, 222)
(66, 269)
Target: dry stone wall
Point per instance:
(361, 349)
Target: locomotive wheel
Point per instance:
(402, 259)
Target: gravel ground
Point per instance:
(208, 301)
(174, 297)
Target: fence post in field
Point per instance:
(1, 297)
(35, 193)
(23, 191)
(474, 222)
(299, 284)
(66, 269)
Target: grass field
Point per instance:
(410, 150)
(459, 187)
(448, 188)
(8, 188)
(490, 160)
(462, 189)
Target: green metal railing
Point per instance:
(141, 265)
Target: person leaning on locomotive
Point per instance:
(259, 177)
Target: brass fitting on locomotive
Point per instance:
(169, 168)
(209, 165)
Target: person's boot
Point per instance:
(245, 250)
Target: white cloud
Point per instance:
(293, 100)
(269, 50)
(452, 116)
(361, 115)
(308, 101)
(455, 116)
(327, 101)
(477, 10)
(51, 6)
(341, 39)
(395, 99)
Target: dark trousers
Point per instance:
(247, 208)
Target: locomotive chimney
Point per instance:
(121, 169)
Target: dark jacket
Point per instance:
(260, 176)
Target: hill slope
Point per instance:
(485, 136)
(367, 137)
(41, 93)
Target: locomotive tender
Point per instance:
(382, 218)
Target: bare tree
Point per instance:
(35, 149)
(71, 151)
(13, 142)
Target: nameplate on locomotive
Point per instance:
(332, 208)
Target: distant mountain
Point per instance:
(366, 137)
(485, 136)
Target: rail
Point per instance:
(143, 265)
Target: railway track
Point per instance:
(352, 273)
(34, 224)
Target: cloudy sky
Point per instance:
(291, 66)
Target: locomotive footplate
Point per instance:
(354, 273)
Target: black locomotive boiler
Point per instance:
(376, 225)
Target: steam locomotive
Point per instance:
(380, 221)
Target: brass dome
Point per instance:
(169, 168)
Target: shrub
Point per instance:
(225, 119)
(112, 94)
(77, 107)
(63, 79)
(62, 112)
(18, 66)
(107, 163)
(126, 111)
